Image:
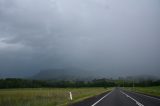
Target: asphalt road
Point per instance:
(118, 97)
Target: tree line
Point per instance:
(28, 83)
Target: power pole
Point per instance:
(123, 84)
(133, 84)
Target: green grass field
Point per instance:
(155, 90)
(46, 96)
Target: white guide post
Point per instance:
(70, 95)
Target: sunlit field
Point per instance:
(46, 96)
(155, 90)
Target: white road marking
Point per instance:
(146, 96)
(138, 103)
(101, 98)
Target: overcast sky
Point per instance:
(115, 37)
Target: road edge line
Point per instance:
(101, 98)
(145, 95)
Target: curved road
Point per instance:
(118, 97)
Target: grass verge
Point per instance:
(155, 90)
(46, 96)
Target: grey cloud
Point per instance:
(110, 36)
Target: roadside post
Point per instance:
(70, 95)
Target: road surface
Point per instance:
(118, 97)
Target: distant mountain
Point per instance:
(80, 74)
(64, 74)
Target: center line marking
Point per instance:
(138, 103)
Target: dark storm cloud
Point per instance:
(110, 36)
